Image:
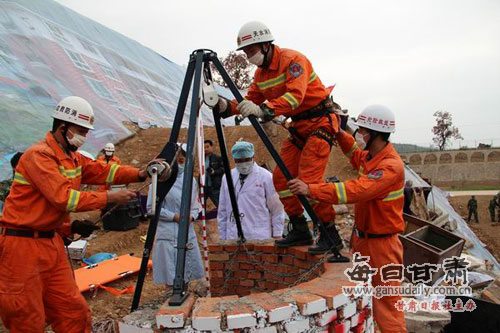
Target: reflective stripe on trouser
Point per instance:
(37, 287)
(383, 251)
(308, 164)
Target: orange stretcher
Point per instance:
(95, 276)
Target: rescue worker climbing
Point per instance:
(378, 197)
(36, 284)
(285, 83)
(108, 157)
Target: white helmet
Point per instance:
(378, 118)
(109, 147)
(252, 33)
(75, 110)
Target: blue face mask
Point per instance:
(181, 167)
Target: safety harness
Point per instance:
(325, 108)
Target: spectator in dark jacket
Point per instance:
(214, 170)
(408, 197)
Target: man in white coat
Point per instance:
(261, 212)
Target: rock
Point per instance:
(427, 322)
(134, 162)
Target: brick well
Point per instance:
(254, 288)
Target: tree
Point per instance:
(444, 131)
(239, 69)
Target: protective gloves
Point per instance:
(249, 108)
(83, 227)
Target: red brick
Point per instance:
(233, 282)
(215, 248)
(292, 270)
(218, 256)
(241, 274)
(272, 277)
(243, 291)
(271, 285)
(273, 258)
(313, 258)
(246, 266)
(261, 284)
(287, 260)
(301, 263)
(232, 266)
(254, 275)
(290, 279)
(247, 283)
(298, 251)
(216, 274)
(266, 248)
(214, 265)
(232, 248)
(217, 282)
(242, 257)
(281, 269)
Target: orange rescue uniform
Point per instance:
(378, 197)
(290, 87)
(112, 160)
(36, 283)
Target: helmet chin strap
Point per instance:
(265, 63)
(373, 135)
(65, 137)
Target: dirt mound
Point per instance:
(146, 144)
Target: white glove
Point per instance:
(249, 108)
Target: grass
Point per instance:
(470, 188)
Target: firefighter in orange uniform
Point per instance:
(286, 84)
(378, 197)
(36, 283)
(108, 157)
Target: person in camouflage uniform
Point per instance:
(472, 206)
(492, 207)
(6, 184)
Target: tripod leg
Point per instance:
(179, 291)
(168, 153)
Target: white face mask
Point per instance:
(77, 140)
(244, 168)
(360, 141)
(108, 153)
(181, 167)
(257, 59)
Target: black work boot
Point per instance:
(322, 244)
(298, 233)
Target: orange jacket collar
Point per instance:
(52, 142)
(275, 61)
(374, 162)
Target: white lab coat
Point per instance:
(165, 246)
(262, 214)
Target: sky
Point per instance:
(416, 57)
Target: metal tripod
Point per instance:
(199, 63)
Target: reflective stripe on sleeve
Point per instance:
(70, 173)
(74, 197)
(285, 194)
(353, 148)
(291, 100)
(312, 77)
(111, 174)
(272, 82)
(19, 178)
(394, 195)
(341, 194)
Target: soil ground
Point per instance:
(488, 234)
